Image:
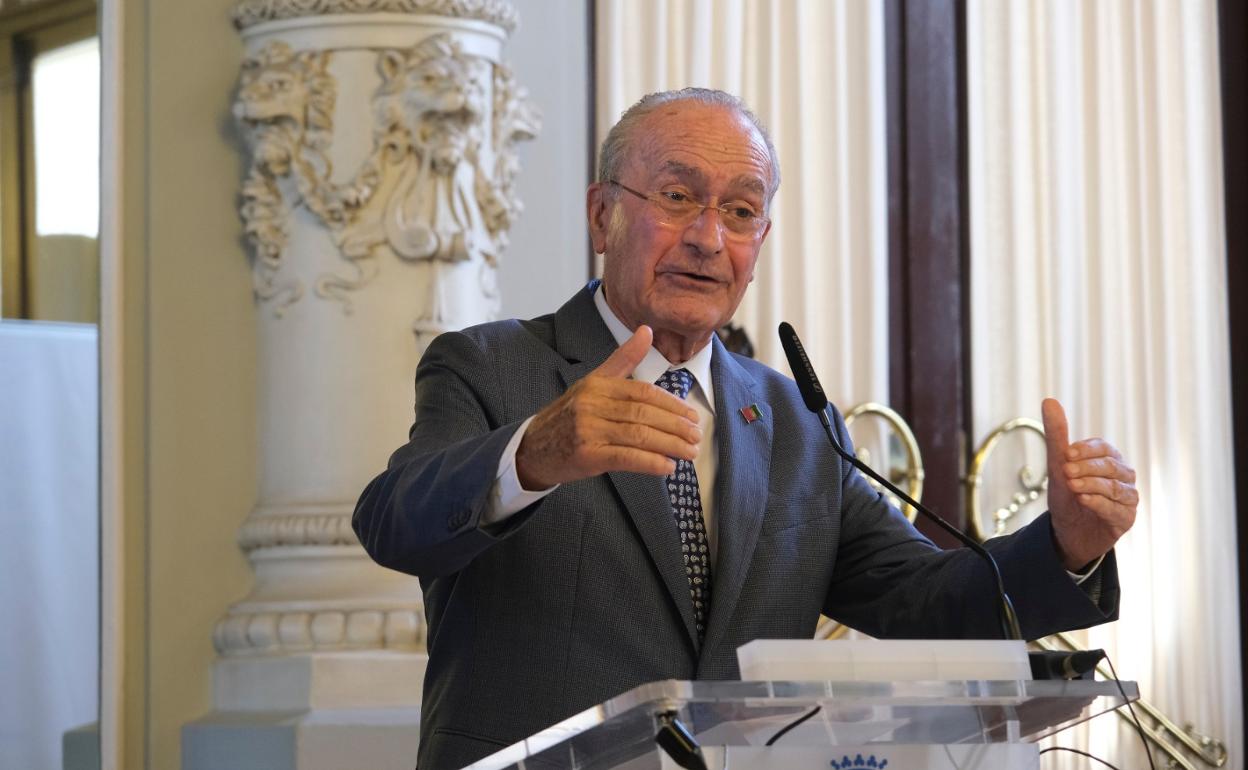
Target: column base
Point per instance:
(319, 739)
(313, 711)
(319, 680)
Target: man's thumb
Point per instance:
(1056, 431)
(624, 360)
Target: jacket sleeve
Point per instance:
(891, 581)
(423, 514)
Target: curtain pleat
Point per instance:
(1098, 276)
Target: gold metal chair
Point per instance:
(899, 442)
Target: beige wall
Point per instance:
(202, 365)
(548, 259)
(191, 365)
(188, 377)
(202, 360)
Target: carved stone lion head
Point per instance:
(282, 86)
(436, 95)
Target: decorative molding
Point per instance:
(285, 104)
(515, 120)
(296, 529)
(251, 12)
(430, 190)
(416, 192)
(439, 184)
(278, 632)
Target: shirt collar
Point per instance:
(654, 364)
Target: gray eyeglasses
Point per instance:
(681, 210)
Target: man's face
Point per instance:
(681, 281)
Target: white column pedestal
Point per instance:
(335, 680)
(326, 739)
(316, 711)
(377, 202)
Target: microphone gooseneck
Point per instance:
(817, 402)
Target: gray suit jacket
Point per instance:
(583, 595)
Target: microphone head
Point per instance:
(803, 372)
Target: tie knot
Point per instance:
(677, 382)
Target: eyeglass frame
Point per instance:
(724, 211)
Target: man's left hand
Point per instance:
(1092, 495)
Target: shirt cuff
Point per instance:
(508, 496)
(1079, 577)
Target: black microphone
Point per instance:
(1056, 664)
(678, 743)
(817, 402)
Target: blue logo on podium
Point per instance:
(845, 763)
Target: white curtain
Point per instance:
(1098, 276)
(813, 71)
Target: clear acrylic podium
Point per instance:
(991, 725)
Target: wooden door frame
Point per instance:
(25, 32)
(929, 344)
(1233, 61)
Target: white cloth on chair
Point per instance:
(49, 538)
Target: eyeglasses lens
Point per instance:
(684, 213)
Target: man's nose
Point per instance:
(706, 232)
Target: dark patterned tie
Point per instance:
(682, 488)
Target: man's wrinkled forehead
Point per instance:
(689, 125)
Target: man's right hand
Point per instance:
(607, 422)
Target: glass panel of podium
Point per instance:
(895, 725)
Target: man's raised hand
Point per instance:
(1092, 495)
(607, 422)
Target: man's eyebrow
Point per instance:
(677, 168)
(750, 183)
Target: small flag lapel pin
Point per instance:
(751, 413)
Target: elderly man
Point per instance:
(605, 496)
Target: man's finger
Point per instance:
(631, 434)
(623, 458)
(624, 360)
(647, 393)
(1106, 467)
(677, 424)
(1056, 432)
(1114, 490)
(1092, 447)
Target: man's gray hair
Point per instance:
(616, 147)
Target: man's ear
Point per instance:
(596, 212)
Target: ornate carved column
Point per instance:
(377, 200)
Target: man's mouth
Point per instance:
(696, 277)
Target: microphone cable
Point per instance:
(793, 724)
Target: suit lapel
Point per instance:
(741, 483)
(646, 500)
(584, 341)
(581, 337)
